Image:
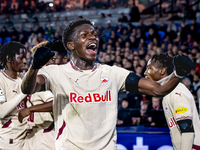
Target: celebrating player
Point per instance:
(179, 106)
(12, 132)
(86, 92)
(42, 123)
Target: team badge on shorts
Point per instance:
(104, 80)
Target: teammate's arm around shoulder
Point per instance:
(31, 82)
(183, 66)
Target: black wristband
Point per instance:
(131, 83)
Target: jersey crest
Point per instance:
(104, 80)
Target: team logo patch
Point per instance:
(180, 110)
(104, 80)
(166, 109)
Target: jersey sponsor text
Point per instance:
(90, 97)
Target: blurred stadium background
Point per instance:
(130, 32)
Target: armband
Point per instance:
(185, 125)
(131, 83)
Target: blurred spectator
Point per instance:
(103, 16)
(50, 31)
(14, 7)
(152, 35)
(8, 22)
(134, 13)
(187, 82)
(124, 35)
(5, 8)
(155, 113)
(194, 33)
(38, 39)
(4, 33)
(22, 39)
(153, 26)
(122, 18)
(163, 27)
(196, 82)
(124, 117)
(139, 117)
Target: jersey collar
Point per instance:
(78, 69)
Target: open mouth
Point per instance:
(92, 48)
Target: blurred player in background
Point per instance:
(42, 135)
(12, 132)
(86, 92)
(179, 106)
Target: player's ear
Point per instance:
(163, 71)
(65, 58)
(70, 45)
(8, 59)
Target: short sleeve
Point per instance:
(46, 96)
(47, 73)
(182, 106)
(121, 75)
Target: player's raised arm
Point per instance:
(183, 66)
(31, 82)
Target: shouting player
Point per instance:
(86, 92)
(12, 132)
(179, 106)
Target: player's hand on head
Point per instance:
(23, 113)
(41, 57)
(183, 65)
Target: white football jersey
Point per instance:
(180, 105)
(85, 106)
(42, 134)
(12, 132)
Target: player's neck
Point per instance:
(12, 74)
(83, 65)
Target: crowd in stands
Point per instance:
(130, 47)
(30, 7)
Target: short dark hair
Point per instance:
(57, 45)
(9, 49)
(69, 30)
(163, 61)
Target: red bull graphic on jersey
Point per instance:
(172, 123)
(104, 80)
(90, 97)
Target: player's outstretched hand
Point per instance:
(41, 57)
(23, 113)
(183, 65)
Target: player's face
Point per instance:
(19, 62)
(152, 72)
(56, 59)
(86, 43)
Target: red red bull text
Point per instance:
(90, 97)
(172, 123)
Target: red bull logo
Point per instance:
(172, 123)
(90, 97)
(104, 80)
